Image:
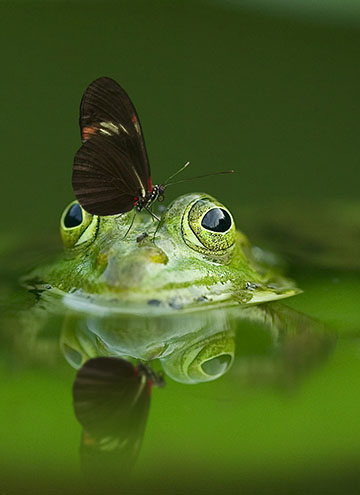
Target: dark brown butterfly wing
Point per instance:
(111, 170)
(105, 180)
(107, 109)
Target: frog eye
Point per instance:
(73, 217)
(217, 220)
(208, 227)
(77, 226)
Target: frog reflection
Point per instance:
(260, 344)
(112, 402)
(191, 347)
(201, 346)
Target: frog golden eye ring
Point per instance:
(208, 227)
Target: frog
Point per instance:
(172, 291)
(194, 258)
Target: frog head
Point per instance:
(193, 258)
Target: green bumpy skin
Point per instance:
(176, 264)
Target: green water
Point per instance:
(275, 98)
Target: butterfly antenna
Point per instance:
(131, 224)
(178, 172)
(199, 177)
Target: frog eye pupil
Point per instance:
(74, 216)
(216, 220)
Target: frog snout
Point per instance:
(129, 271)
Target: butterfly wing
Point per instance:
(105, 180)
(111, 170)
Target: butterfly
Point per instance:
(111, 171)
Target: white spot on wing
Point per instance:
(109, 126)
(137, 127)
(106, 133)
(123, 128)
(143, 192)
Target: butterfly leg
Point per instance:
(131, 224)
(152, 214)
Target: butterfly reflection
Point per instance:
(111, 402)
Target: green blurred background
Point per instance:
(268, 88)
(274, 97)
